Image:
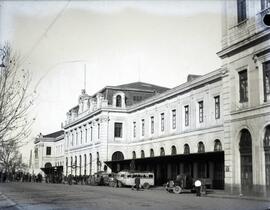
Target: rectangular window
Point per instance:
(85, 134)
(187, 115)
(72, 139)
(143, 125)
(217, 107)
(241, 10)
(243, 86)
(152, 125)
(200, 111)
(265, 4)
(118, 130)
(98, 130)
(162, 122)
(266, 80)
(48, 150)
(76, 137)
(134, 129)
(91, 133)
(174, 119)
(81, 135)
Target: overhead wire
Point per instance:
(59, 14)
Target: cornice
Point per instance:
(194, 84)
(245, 43)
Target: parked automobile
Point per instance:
(101, 178)
(127, 178)
(185, 183)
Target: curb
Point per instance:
(6, 203)
(237, 197)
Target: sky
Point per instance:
(158, 42)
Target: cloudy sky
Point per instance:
(159, 42)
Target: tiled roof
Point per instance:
(54, 135)
(143, 86)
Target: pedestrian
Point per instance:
(198, 185)
(137, 182)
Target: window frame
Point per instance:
(121, 129)
(201, 111)
(186, 110)
(152, 124)
(162, 123)
(266, 90)
(243, 86)
(241, 10)
(217, 107)
(143, 127)
(48, 150)
(174, 119)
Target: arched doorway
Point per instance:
(245, 148)
(48, 165)
(117, 156)
(266, 144)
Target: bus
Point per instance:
(127, 178)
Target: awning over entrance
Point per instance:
(52, 170)
(198, 165)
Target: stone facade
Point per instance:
(245, 51)
(214, 126)
(48, 151)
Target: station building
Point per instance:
(48, 151)
(215, 126)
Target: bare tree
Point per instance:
(15, 102)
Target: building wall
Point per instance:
(244, 46)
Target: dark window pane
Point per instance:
(243, 86)
(118, 130)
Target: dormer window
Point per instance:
(118, 101)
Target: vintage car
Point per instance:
(101, 178)
(127, 178)
(185, 183)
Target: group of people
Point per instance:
(19, 177)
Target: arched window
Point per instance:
(66, 166)
(152, 154)
(90, 164)
(80, 166)
(71, 164)
(186, 149)
(98, 162)
(118, 101)
(133, 155)
(201, 147)
(117, 156)
(75, 165)
(85, 164)
(142, 154)
(174, 150)
(162, 151)
(266, 144)
(218, 146)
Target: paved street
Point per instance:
(59, 196)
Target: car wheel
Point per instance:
(177, 190)
(146, 185)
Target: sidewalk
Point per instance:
(224, 194)
(6, 203)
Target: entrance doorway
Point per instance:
(245, 148)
